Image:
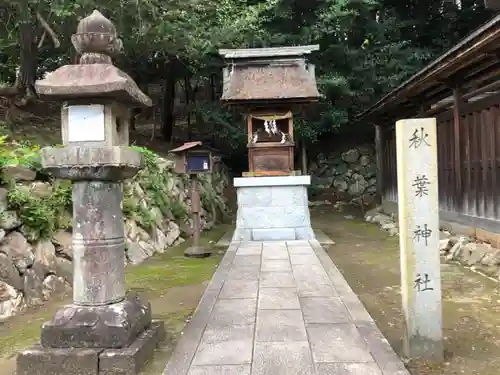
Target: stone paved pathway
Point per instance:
(277, 308)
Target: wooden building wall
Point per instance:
(468, 175)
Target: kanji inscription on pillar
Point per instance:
(416, 145)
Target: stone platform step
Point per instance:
(281, 308)
(319, 235)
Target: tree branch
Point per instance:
(47, 29)
(42, 39)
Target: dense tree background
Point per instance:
(367, 47)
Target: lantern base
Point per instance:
(110, 326)
(62, 361)
(197, 252)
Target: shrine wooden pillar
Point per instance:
(457, 160)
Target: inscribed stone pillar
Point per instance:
(419, 237)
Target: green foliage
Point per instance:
(41, 216)
(23, 154)
(228, 125)
(367, 47)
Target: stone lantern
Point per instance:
(104, 330)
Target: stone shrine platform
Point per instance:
(281, 308)
(273, 209)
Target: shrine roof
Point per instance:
(289, 81)
(186, 146)
(269, 74)
(246, 53)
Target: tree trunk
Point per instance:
(187, 93)
(213, 94)
(168, 119)
(303, 157)
(25, 82)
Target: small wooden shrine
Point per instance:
(268, 84)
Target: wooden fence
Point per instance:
(468, 175)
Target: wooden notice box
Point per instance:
(192, 158)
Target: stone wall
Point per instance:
(470, 252)
(347, 175)
(35, 225)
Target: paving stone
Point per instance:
(301, 250)
(356, 309)
(381, 350)
(305, 259)
(224, 353)
(278, 298)
(229, 312)
(274, 243)
(340, 283)
(215, 334)
(275, 253)
(313, 273)
(280, 325)
(239, 289)
(282, 358)
(297, 243)
(275, 265)
(322, 238)
(348, 369)
(324, 310)
(220, 370)
(276, 279)
(249, 250)
(249, 273)
(246, 260)
(251, 244)
(337, 343)
(312, 288)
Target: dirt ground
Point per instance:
(172, 283)
(369, 260)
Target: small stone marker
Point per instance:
(419, 237)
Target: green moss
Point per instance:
(173, 269)
(357, 225)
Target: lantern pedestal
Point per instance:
(273, 209)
